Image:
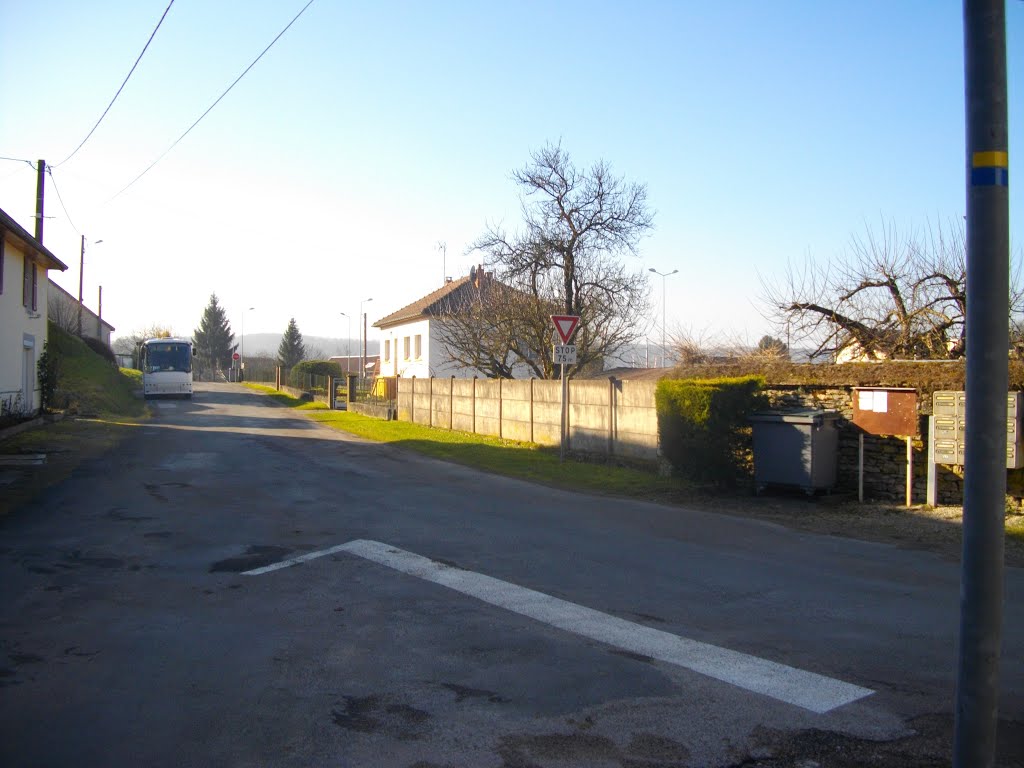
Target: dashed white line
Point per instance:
(808, 690)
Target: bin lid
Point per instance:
(794, 416)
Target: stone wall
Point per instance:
(885, 457)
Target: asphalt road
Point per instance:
(445, 617)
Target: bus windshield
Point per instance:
(168, 356)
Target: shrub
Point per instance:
(702, 424)
(299, 374)
(48, 372)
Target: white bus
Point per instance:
(166, 367)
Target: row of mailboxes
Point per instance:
(948, 436)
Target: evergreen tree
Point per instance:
(213, 338)
(291, 351)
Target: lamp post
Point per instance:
(663, 275)
(241, 346)
(348, 343)
(362, 338)
(81, 275)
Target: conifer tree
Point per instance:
(213, 338)
(291, 351)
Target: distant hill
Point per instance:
(266, 344)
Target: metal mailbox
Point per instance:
(949, 433)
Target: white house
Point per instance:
(412, 339)
(24, 262)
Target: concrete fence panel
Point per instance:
(488, 407)
(463, 405)
(517, 409)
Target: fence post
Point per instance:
(474, 405)
(277, 378)
(531, 408)
(451, 403)
(501, 410)
(412, 404)
(330, 392)
(350, 394)
(430, 400)
(611, 416)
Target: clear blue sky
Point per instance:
(372, 131)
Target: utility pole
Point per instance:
(40, 193)
(981, 581)
(81, 275)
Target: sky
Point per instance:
(370, 133)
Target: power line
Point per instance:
(215, 103)
(49, 169)
(166, 11)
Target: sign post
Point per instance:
(564, 354)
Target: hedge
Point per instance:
(703, 425)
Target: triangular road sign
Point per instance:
(565, 325)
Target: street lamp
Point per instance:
(348, 343)
(362, 337)
(241, 350)
(81, 275)
(663, 275)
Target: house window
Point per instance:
(405, 348)
(419, 347)
(387, 350)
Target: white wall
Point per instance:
(22, 331)
(392, 341)
(433, 360)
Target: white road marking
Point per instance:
(295, 560)
(801, 688)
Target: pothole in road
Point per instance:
(255, 556)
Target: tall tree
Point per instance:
(578, 224)
(214, 342)
(291, 350)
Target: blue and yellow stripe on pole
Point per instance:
(990, 169)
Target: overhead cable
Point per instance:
(215, 103)
(166, 10)
(49, 170)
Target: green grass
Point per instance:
(526, 461)
(89, 385)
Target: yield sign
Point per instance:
(565, 325)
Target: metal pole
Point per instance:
(664, 346)
(81, 273)
(348, 343)
(981, 587)
(565, 413)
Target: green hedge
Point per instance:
(703, 425)
(297, 375)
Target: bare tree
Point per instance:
(129, 345)
(481, 326)
(577, 226)
(890, 296)
(62, 312)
